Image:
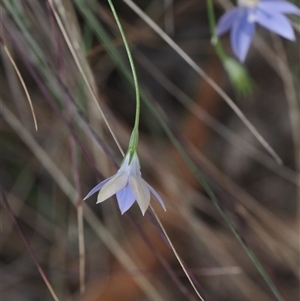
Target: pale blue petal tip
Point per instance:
(226, 21)
(157, 196)
(239, 36)
(276, 23)
(279, 6)
(96, 188)
(125, 199)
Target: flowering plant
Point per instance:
(128, 185)
(241, 22)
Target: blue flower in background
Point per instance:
(128, 185)
(241, 22)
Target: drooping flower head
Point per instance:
(241, 22)
(128, 185)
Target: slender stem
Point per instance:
(168, 16)
(134, 136)
(22, 83)
(28, 247)
(75, 172)
(177, 255)
(236, 72)
(291, 96)
(162, 260)
(81, 246)
(211, 17)
(212, 24)
(79, 66)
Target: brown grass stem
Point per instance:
(77, 61)
(28, 247)
(291, 96)
(22, 83)
(75, 170)
(176, 254)
(162, 260)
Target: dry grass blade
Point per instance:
(176, 254)
(291, 97)
(286, 234)
(74, 159)
(81, 248)
(217, 249)
(77, 61)
(169, 17)
(22, 83)
(31, 252)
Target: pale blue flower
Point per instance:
(128, 185)
(241, 22)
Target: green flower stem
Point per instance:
(212, 24)
(236, 72)
(135, 132)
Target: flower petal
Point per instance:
(156, 195)
(125, 198)
(140, 191)
(241, 34)
(135, 166)
(277, 23)
(97, 188)
(279, 6)
(125, 163)
(227, 20)
(116, 183)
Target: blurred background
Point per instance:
(91, 252)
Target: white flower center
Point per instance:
(248, 3)
(252, 18)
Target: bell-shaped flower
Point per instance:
(128, 185)
(241, 22)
